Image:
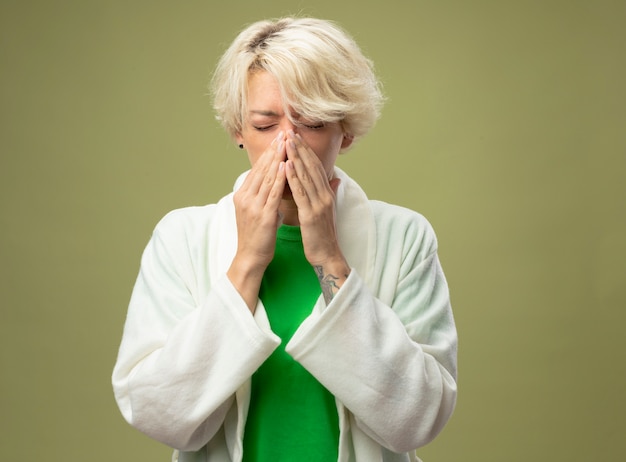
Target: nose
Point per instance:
(286, 125)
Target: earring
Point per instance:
(241, 146)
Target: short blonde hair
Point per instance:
(321, 72)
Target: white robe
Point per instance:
(385, 346)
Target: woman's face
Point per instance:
(265, 119)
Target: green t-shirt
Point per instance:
(292, 417)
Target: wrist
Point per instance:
(331, 275)
(246, 278)
(339, 268)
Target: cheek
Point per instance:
(327, 154)
(252, 158)
(321, 145)
(255, 146)
(329, 148)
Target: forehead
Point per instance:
(263, 92)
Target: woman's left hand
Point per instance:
(314, 194)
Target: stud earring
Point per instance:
(241, 146)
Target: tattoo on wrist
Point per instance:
(328, 282)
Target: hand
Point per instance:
(314, 194)
(258, 218)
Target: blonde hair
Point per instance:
(321, 72)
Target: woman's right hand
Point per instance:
(258, 219)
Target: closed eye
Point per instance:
(263, 128)
(312, 125)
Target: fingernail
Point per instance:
(280, 135)
(290, 133)
(281, 145)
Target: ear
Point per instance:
(347, 141)
(238, 138)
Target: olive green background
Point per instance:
(505, 126)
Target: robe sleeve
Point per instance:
(183, 355)
(392, 364)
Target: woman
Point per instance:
(295, 319)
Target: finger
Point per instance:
(262, 173)
(308, 166)
(274, 179)
(300, 180)
(299, 193)
(302, 174)
(275, 193)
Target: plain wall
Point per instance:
(505, 126)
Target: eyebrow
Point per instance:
(264, 112)
(268, 113)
